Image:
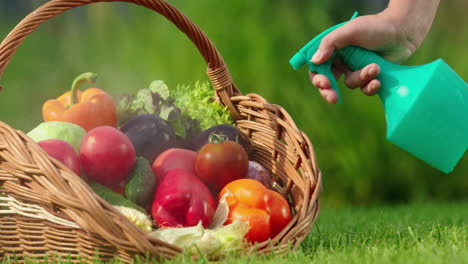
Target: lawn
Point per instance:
(422, 232)
(416, 233)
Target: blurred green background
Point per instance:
(129, 46)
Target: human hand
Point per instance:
(394, 34)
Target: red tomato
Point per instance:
(278, 209)
(266, 210)
(171, 159)
(63, 152)
(107, 155)
(220, 163)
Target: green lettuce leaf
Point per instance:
(198, 103)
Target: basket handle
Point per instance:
(217, 70)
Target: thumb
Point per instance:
(337, 39)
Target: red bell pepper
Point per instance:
(182, 200)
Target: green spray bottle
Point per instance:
(426, 106)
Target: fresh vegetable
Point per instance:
(257, 172)
(188, 110)
(107, 155)
(156, 100)
(63, 152)
(213, 242)
(150, 135)
(138, 218)
(71, 133)
(220, 163)
(198, 103)
(112, 197)
(227, 131)
(182, 200)
(141, 184)
(258, 220)
(88, 109)
(172, 159)
(266, 211)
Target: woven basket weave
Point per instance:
(47, 210)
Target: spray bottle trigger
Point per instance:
(334, 85)
(325, 69)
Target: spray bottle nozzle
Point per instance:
(297, 61)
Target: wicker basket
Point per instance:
(47, 210)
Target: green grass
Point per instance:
(416, 233)
(422, 232)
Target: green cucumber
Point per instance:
(141, 183)
(112, 197)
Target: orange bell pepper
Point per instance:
(88, 109)
(266, 211)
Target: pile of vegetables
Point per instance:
(170, 160)
(183, 108)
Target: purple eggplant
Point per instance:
(150, 135)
